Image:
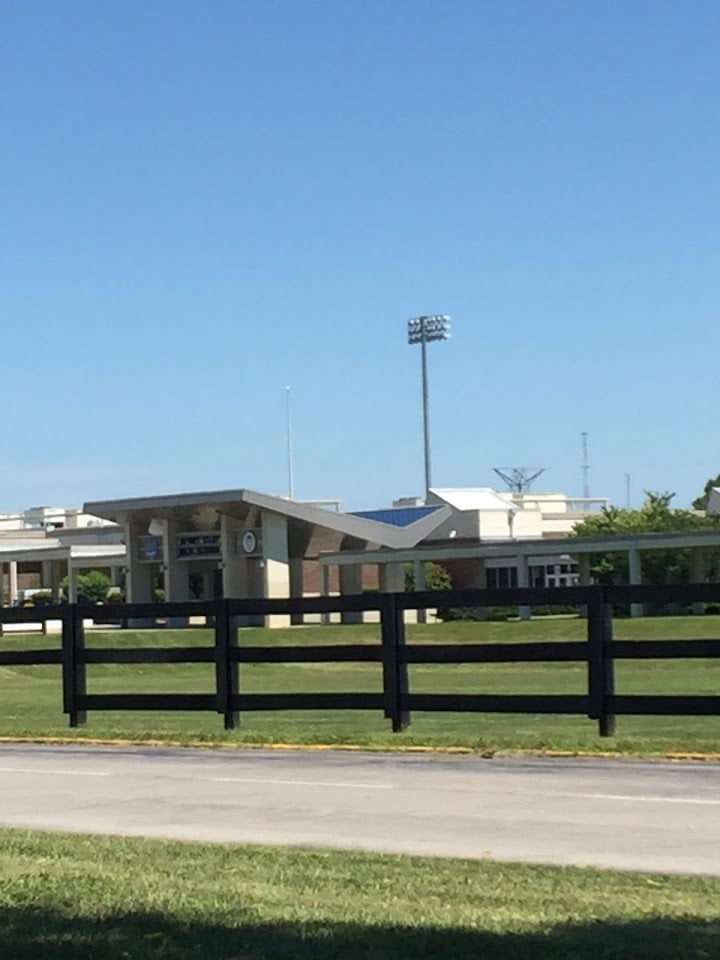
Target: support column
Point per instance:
(297, 586)
(138, 580)
(698, 574)
(584, 578)
(12, 582)
(46, 575)
(635, 571)
(234, 561)
(72, 584)
(392, 578)
(177, 573)
(351, 584)
(419, 579)
(324, 590)
(523, 580)
(276, 566)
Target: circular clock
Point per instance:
(249, 541)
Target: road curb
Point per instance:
(484, 753)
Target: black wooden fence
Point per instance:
(598, 650)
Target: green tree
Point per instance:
(701, 502)
(655, 516)
(92, 587)
(437, 577)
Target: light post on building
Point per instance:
(424, 330)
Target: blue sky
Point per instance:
(201, 203)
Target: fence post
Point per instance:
(607, 719)
(226, 668)
(395, 668)
(601, 668)
(74, 668)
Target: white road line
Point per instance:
(53, 772)
(305, 783)
(644, 799)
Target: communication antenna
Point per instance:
(291, 479)
(519, 479)
(585, 466)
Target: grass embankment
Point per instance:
(65, 898)
(30, 697)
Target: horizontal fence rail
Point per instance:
(598, 650)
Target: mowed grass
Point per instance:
(30, 697)
(91, 898)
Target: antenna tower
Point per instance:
(585, 465)
(519, 479)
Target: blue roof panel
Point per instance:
(397, 516)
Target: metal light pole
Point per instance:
(424, 330)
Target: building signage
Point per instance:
(150, 549)
(192, 545)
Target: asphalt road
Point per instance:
(625, 814)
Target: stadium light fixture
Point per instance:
(424, 330)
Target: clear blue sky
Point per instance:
(203, 202)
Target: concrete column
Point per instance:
(698, 574)
(584, 578)
(72, 584)
(235, 565)
(635, 571)
(234, 561)
(177, 572)
(419, 578)
(12, 582)
(523, 580)
(276, 566)
(46, 575)
(350, 584)
(138, 579)
(324, 590)
(392, 578)
(296, 586)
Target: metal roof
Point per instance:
(368, 529)
(472, 498)
(397, 516)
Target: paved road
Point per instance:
(632, 815)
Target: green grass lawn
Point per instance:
(90, 898)
(30, 697)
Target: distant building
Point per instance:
(243, 543)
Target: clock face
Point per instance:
(249, 541)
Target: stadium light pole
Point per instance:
(424, 330)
